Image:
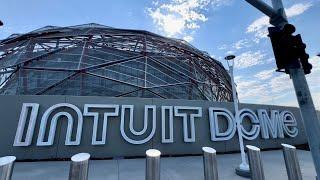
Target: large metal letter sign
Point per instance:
(53, 125)
(222, 123)
(216, 135)
(255, 127)
(163, 124)
(22, 123)
(289, 124)
(145, 126)
(184, 116)
(95, 115)
(271, 125)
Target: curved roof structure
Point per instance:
(97, 60)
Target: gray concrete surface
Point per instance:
(173, 168)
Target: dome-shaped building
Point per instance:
(96, 60)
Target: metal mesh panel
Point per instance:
(96, 60)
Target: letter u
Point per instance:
(145, 124)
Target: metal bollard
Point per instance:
(6, 167)
(153, 164)
(292, 163)
(210, 163)
(256, 168)
(79, 166)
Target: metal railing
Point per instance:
(79, 166)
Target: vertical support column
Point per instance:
(145, 61)
(292, 163)
(143, 92)
(153, 164)
(82, 57)
(308, 113)
(6, 167)
(243, 169)
(79, 166)
(255, 163)
(210, 164)
(28, 52)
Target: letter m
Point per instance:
(270, 126)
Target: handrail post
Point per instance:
(210, 164)
(153, 164)
(6, 167)
(79, 166)
(292, 162)
(255, 163)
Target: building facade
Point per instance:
(96, 60)
(116, 92)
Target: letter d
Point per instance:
(216, 135)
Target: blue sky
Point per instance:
(220, 27)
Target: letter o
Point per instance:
(255, 130)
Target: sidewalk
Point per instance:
(173, 168)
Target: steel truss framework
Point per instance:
(97, 60)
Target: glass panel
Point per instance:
(87, 85)
(66, 59)
(187, 91)
(142, 93)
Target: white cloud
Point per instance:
(230, 52)
(314, 77)
(287, 101)
(6, 31)
(219, 3)
(316, 100)
(176, 16)
(250, 89)
(315, 61)
(281, 83)
(297, 9)
(241, 44)
(268, 91)
(269, 87)
(270, 60)
(249, 58)
(259, 26)
(223, 47)
(265, 74)
(169, 23)
(188, 38)
(237, 78)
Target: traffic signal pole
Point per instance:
(308, 112)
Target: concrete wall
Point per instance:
(10, 107)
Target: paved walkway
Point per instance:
(174, 168)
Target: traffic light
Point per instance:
(288, 49)
(304, 57)
(1, 23)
